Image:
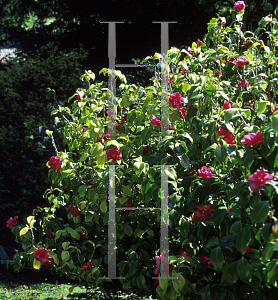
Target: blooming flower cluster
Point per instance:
(227, 104)
(113, 154)
(86, 266)
(202, 212)
(155, 120)
(240, 61)
(259, 178)
(41, 255)
(12, 222)
(205, 172)
(239, 5)
(55, 162)
(74, 210)
(176, 100)
(228, 136)
(252, 138)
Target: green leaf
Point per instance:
(128, 230)
(173, 115)
(101, 159)
(184, 161)
(275, 124)
(65, 245)
(171, 173)
(235, 191)
(73, 233)
(127, 190)
(178, 282)
(36, 264)
(231, 113)
(218, 216)
(205, 293)
(221, 153)
(261, 106)
(103, 206)
(243, 239)
(268, 250)
(163, 282)
(244, 270)
(260, 212)
(125, 100)
(194, 94)
(230, 276)
(97, 149)
(65, 255)
(146, 134)
(185, 87)
(236, 228)
(84, 156)
(216, 258)
(31, 221)
(23, 231)
(141, 281)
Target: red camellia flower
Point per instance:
(275, 108)
(203, 258)
(84, 129)
(190, 51)
(74, 210)
(240, 61)
(86, 266)
(205, 172)
(248, 249)
(200, 43)
(55, 162)
(228, 136)
(259, 178)
(155, 120)
(99, 139)
(176, 100)
(41, 255)
(12, 222)
(51, 234)
(227, 104)
(146, 149)
(252, 138)
(128, 203)
(133, 191)
(113, 154)
(182, 112)
(170, 126)
(47, 264)
(243, 83)
(78, 98)
(239, 5)
(202, 212)
(106, 135)
(184, 254)
(82, 235)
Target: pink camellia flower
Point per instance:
(239, 5)
(12, 222)
(55, 162)
(86, 266)
(109, 112)
(113, 154)
(176, 100)
(259, 178)
(227, 104)
(163, 261)
(202, 212)
(275, 108)
(252, 138)
(85, 129)
(51, 234)
(200, 43)
(240, 61)
(41, 255)
(203, 258)
(74, 210)
(243, 83)
(182, 112)
(228, 136)
(190, 51)
(205, 172)
(155, 120)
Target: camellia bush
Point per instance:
(221, 148)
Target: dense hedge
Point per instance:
(23, 108)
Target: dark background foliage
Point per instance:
(77, 25)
